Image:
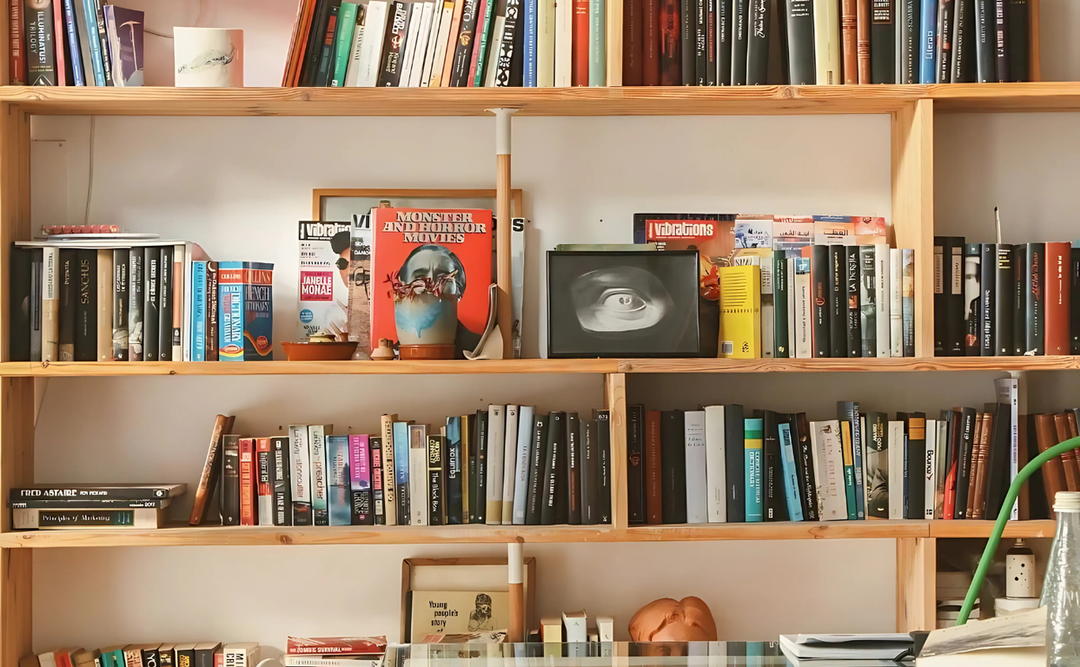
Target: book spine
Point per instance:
(120, 304)
(484, 20)
(552, 463)
(181, 302)
(696, 456)
(868, 305)
(862, 26)
(964, 443)
(1019, 23)
(670, 61)
(819, 281)
(673, 466)
(198, 311)
(264, 466)
(791, 485)
(213, 312)
(436, 480)
(838, 318)
(985, 71)
(753, 442)
(1019, 262)
(928, 42)
(597, 43)
(987, 279)
(944, 45)
(324, 73)
(396, 30)
(230, 480)
(389, 478)
(650, 42)
(50, 305)
(300, 475)
(653, 471)
(454, 478)
(954, 296)
(725, 20)
(165, 304)
(16, 44)
(849, 30)
(523, 457)
(802, 67)
(635, 478)
(40, 47)
(1002, 38)
(464, 44)
(247, 482)
(343, 41)
(883, 41)
(771, 474)
(972, 298)
(687, 41)
(531, 9)
(757, 49)
(537, 463)
(603, 447)
(1004, 308)
(701, 39)
(85, 308)
(781, 286)
(496, 445)
(478, 492)
(849, 469)
(135, 303)
(882, 281)
(320, 512)
(378, 498)
(418, 502)
(360, 481)
(715, 464)
(908, 285)
(68, 290)
(573, 469)
(1035, 299)
(34, 305)
(1057, 339)
(852, 279)
(151, 304)
(103, 40)
(1074, 303)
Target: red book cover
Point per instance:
(431, 278)
(632, 51)
(580, 74)
(653, 482)
(650, 43)
(219, 658)
(335, 645)
(59, 40)
(1057, 298)
(16, 44)
(247, 481)
(670, 58)
(481, 15)
(263, 451)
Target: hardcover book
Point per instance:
(755, 498)
(300, 475)
(338, 481)
(360, 462)
(135, 303)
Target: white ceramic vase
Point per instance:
(208, 57)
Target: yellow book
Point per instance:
(390, 490)
(740, 312)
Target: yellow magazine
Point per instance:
(740, 312)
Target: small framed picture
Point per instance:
(623, 304)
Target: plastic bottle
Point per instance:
(1061, 590)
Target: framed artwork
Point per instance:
(623, 304)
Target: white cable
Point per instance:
(90, 176)
(198, 19)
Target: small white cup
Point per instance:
(208, 57)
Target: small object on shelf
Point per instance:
(1020, 572)
(491, 343)
(208, 57)
(666, 620)
(319, 350)
(384, 351)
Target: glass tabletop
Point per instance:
(598, 654)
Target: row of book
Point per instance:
(1000, 299)
(299, 652)
(458, 43)
(507, 465)
(825, 42)
(724, 463)
(157, 301)
(75, 43)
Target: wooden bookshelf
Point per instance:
(1014, 529)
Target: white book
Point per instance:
(790, 305)
(418, 477)
(240, 655)
(352, 72)
(509, 464)
(564, 43)
(495, 442)
(433, 42)
(412, 42)
(940, 462)
(896, 469)
(881, 298)
(829, 470)
(545, 43)
(1008, 392)
(494, 49)
(371, 48)
(517, 279)
(715, 464)
(320, 508)
(182, 256)
(300, 474)
(423, 38)
(804, 310)
(180, 300)
(896, 303)
(59, 519)
(577, 635)
(930, 469)
(442, 43)
(521, 474)
(696, 485)
(827, 43)
(50, 304)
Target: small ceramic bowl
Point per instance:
(332, 351)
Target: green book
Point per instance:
(597, 43)
(780, 307)
(849, 470)
(482, 42)
(343, 37)
(752, 450)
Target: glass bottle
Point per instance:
(1061, 590)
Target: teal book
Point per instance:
(198, 311)
(401, 470)
(851, 423)
(231, 312)
(791, 476)
(338, 482)
(343, 39)
(258, 311)
(597, 43)
(849, 470)
(755, 501)
(780, 309)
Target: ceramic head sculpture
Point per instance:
(668, 620)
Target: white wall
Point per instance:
(237, 186)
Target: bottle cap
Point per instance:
(1067, 501)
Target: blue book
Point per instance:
(928, 42)
(401, 470)
(198, 311)
(72, 31)
(531, 9)
(752, 445)
(338, 481)
(857, 458)
(791, 477)
(97, 59)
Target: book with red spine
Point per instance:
(1057, 298)
(669, 37)
(632, 46)
(264, 463)
(653, 483)
(17, 63)
(580, 59)
(247, 481)
(650, 43)
(373, 646)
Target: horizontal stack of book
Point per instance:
(1000, 299)
(75, 43)
(459, 43)
(205, 654)
(507, 465)
(728, 464)
(153, 301)
(334, 651)
(699, 43)
(91, 506)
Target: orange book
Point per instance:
(986, 429)
(862, 21)
(248, 481)
(455, 29)
(580, 71)
(1053, 471)
(1068, 459)
(298, 43)
(653, 482)
(976, 466)
(849, 22)
(211, 469)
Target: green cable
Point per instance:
(1003, 518)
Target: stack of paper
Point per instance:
(883, 650)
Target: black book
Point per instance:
(212, 312)
(165, 304)
(875, 458)
(962, 59)
(459, 75)
(740, 37)
(798, 16)
(315, 38)
(852, 275)
(1019, 264)
(1035, 299)
(603, 448)
(711, 17)
(757, 45)
(868, 308)
(454, 471)
(229, 499)
(394, 45)
(480, 448)
(80, 493)
(590, 473)
(150, 657)
(1004, 289)
(378, 509)
(965, 439)
(86, 307)
(185, 655)
(701, 39)
(326, 47)
(688, 40)
(19, 305)
(983, 33)
(151, 304)
(552, 463)
(782, 27)
(573, 469)
(1074, 302)
(724, 21)
(1002, 41)
(804, 462)
(838, 310)
(954, 294)
(635, 471)
(537, 464)
(819, 299)
(915, 460)
(36, 296)
(910, 46)
(509, 49)
(735, 463)
(882, 41)
(972, 298)
(279, 480)
(121, 266)
(135, 304)
(1019, 44)
(436, 482)
(781, 285)
(987, 302)
(68, 294)
(943, 45)
(673, 466)
(998, 459)
(204, 654)
(772, 472)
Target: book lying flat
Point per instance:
(889, 646)
(30, 519)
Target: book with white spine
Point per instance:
(829, 469)
(930, 468)
(940, 462)
(509, 464)
(827, 43)
(1008, 392)
(524, 455)
(494, 48)
(433, 43)
(802, 325)
(412, 42)
(545, 43)
(496, 440)
(696, 485)
(320, 509)
(300, 475)
(372, 46)
(715, 464)
(564, 44)
(442, 43)
(882, 283)
(418, 475)
(352, 72)
(895, 435)
(423, 38)
(896, 304)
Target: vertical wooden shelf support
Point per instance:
(503, 194)
(913, 207)
(916, 583)
(615, 402)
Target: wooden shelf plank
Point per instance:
(1006, 97)
(106, 369)
(783, 530)
(1040, 528)
(883, 365)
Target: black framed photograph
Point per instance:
(623, 304)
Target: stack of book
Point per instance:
(334, 651)
(93, 506)
(728, 464)
(75, 43)
(205, 654)
(507, 465)
(459, 43)
(1000, 299)
(150, 301)
(699, 43)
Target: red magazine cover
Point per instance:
(431, 277)
(335, 645)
